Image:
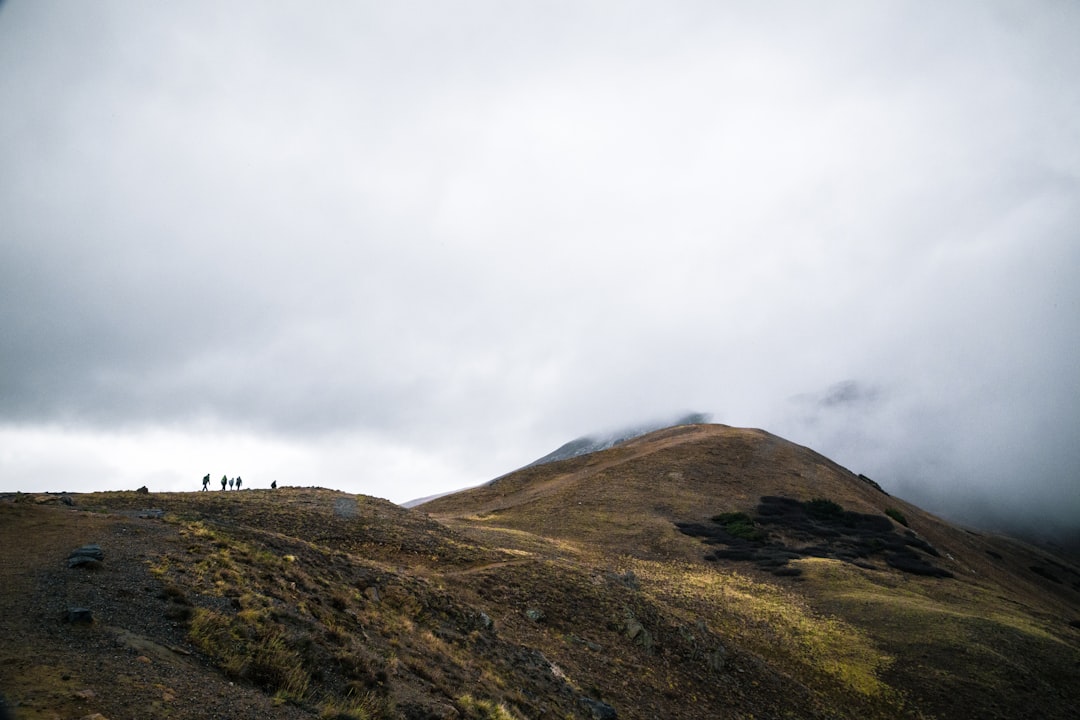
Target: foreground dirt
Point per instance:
(132, 660)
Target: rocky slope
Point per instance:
(694, 572)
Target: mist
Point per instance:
(404, 249)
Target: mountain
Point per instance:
(699, 571)
(594, 443)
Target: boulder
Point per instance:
(599, 710)
(88, 555)
(79, 615)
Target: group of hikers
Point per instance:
(232, 483)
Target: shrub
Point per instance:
(823, 509)
(479, 709)
(897, 516)
(739, 525)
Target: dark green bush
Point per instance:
(823, 509)
(739, 525)
(897, 516)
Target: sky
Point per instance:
(403, 248)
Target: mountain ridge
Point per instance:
(696, 572)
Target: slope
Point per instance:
(943, 620)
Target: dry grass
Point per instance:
(561, 584)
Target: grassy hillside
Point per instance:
(697, 572)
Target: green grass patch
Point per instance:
(740, 525)
(897, 516)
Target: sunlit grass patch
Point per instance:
(777, 622)
(479, 709)
(250, 647)
(910, 611)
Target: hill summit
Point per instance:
(698, 571)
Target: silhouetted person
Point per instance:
(237, 482)
(273, 485)
(206, 481)
(232, 482)
(224, 481)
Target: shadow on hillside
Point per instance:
(783, 530)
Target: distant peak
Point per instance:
(594, 443)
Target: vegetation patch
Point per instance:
(785, 529)
(897, 516)
(739, 525)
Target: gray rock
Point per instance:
(637, 632)
(79, 615)
(89, 555)
(599, 710)
(718, 659)
(534, 614)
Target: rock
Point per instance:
(534, 614)
(90, 555)
(86, 694)
(587, 643)
(66, 499)
(152, 514)
(718, 659)
(79, 615)
(143, 490)
(637, 632)
(599, 710)
(372, 593)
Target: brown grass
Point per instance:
(528, 598)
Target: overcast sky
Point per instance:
(400, 248)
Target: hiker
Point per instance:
(224, 481)
(205, 481)
(273, 485)
(232, 481)
(237, 482)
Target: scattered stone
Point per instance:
(78, 615)
(143, 659)
(95, 716)
(143, 490)
(372, 593)
(86, 694)
(599, 710)
(485, 620)
(534, 614)
(66, 499)
(152, 514)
